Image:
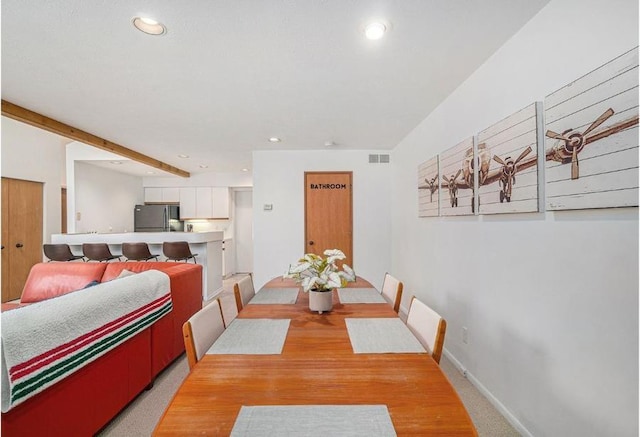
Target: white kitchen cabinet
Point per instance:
(153, 195)
(220, 196)
(188, 203)
(228, 258)
(161, 195)
(204, 202)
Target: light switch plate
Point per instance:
(268, 206)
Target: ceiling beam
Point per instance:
(40, 121)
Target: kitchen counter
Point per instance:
(208, 246)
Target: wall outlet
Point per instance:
(465, 335)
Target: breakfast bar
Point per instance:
(208, 246)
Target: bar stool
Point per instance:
(137, 252)
(60, 252)
(178, 251)
(98, 252)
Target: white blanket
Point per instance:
(44, 342)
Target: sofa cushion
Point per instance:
(48, 280)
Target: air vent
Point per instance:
(373, 159)
(384, 159)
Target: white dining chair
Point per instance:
(428, 327)
(243, 291)
(392, 291)
(202, 330)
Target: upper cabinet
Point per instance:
(204, 203)
(161, 195)
(220, 197)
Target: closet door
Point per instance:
(21, 233)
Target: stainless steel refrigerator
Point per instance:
(157, 218)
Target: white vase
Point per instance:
(320, 301)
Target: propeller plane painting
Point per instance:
(508, 158)
(591, 139)
(456, 180)
(428, 188)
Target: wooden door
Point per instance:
(21, 233)
(328, 213)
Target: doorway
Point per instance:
(328, 212)
(22, 211)
(243, 230)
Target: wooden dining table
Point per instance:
(317, 366)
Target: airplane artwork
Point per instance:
(566, 151)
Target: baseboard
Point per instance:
(490, 397)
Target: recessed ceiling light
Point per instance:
(183, 156)
(116, 162)
(274, 139)
(245, 169)
(203, 166)
(375, 30)
(149, 26)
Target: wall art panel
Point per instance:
(591, 139)
(456, 180)
(508, 164)
(428, 190)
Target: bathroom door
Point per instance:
(328, 213)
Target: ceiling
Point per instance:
(228, 75)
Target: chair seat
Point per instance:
(60, 252)
(137, 252)
(178, 251)
(98, 252)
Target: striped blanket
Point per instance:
(47, 341)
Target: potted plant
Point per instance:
(319, 276)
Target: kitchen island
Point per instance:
(208, 246)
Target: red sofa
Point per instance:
(84, 402)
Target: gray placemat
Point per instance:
(314, 421)
(378, 336)
(360, 295)
(275, 296)
(252, 336)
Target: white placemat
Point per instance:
(275, 296)
(314, 421)
(360, 295)
(252, 336)
(378, 336)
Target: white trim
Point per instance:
(490, 397)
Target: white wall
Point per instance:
(550, 300)
(36, 155)
(279, 234)
(105, 199)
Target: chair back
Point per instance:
(137, 252)
(202, 330)
(243, 291)
(428, 327)
(59, 252)
(392, 291)
(98, 252)
(178, 251)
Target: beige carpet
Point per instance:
(142, 415)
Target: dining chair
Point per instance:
(178, 251)
(60, 252)
(202, 330)
(392, 291)
(137, 252)
(243, 291)
(98, 252)
(427, 326)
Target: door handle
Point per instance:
(2, 247)
(311, 243)
(18, 245)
